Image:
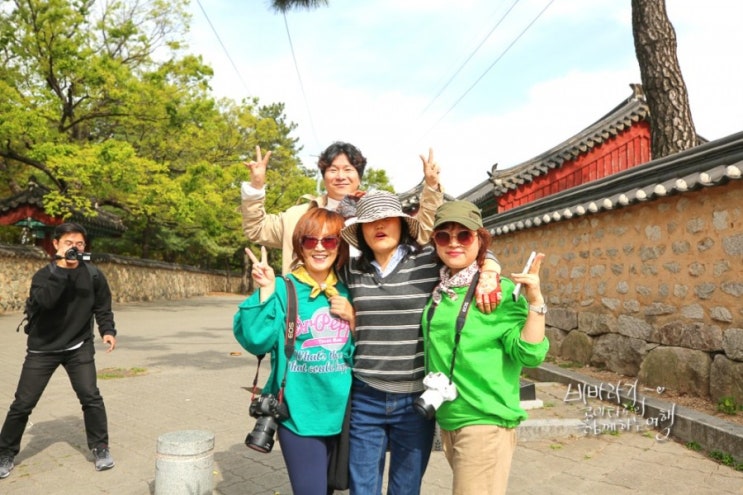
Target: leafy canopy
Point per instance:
(103, 108)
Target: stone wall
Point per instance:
(130, 279)
(653, 290)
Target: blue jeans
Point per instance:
(382, 421)
(38, 368)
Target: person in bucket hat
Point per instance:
(390, 283)
(481, 410)
(375, 206)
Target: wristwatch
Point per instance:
(540, 310)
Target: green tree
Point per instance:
(376, 179)
(286, 5)
(102, 107)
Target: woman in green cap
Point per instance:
(474, 364)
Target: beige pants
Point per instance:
(480, 456)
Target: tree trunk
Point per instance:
(671, 126)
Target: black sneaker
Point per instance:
(6, 466)
(103, 459)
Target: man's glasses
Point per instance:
(329, 243)
(464, 237)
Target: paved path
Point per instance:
(192, 381)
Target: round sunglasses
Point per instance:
(330, 242)
(443, 238)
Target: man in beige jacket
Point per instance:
(342, 167)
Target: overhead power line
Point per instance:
(224, 48)
(446, 85)
(299, 77)
(491, 66)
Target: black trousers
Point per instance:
(38, 369)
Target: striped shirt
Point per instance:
(389, 342)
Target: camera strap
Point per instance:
(289, 337)
(461, 318)
(291, 323)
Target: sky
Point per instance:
(478, 81)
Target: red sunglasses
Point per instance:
(443, 238)
(329, 243)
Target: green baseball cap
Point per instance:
(461, 212)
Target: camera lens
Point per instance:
(261, 438)
(424, 408)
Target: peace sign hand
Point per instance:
(262, 272)
(430, 170)
(258, 169)
(530, 281)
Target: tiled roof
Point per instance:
(711, 164)
(33, 195)
(634, 109)
(410, 199)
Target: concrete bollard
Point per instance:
(185, 462)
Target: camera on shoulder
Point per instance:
(438, 389)
(74, 254)
(268, 411)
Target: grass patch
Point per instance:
(694, 446)
(722, 457)
(113, 373)
(728, 405)
(630, 407)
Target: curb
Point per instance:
(712, 433)
(540, 429)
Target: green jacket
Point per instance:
(489, 359)
(318, 380)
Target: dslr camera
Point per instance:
(438, 389)
(74, 254)
(268, 412)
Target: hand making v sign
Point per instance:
(258, 169)
(430, 170)
(262, 273)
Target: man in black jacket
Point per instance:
(66, 295)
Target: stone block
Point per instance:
(594, 323)
(677, 368)
(732, 343)
(619, 354)
(726, 379)
(577, 346)
(694, 335)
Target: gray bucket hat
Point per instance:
(374, 206)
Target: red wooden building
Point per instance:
(616, 142)
(26, 211)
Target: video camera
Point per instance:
(74, 254)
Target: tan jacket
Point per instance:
(275, 230)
